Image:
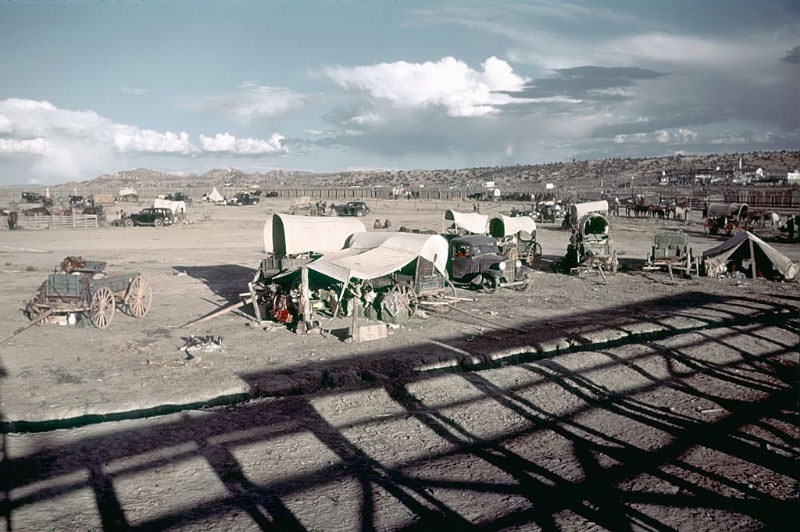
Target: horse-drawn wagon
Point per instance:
(726, 217)
(590, 245)
(516, 235)
(671, 250)
(84, 287)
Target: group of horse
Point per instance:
(642, 206)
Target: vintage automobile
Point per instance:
(352, 208)
(243, 198)
(154, 216)
(476, 260)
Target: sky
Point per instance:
(90, 87)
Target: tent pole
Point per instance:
(752, 258)
(306, 298)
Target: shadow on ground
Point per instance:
(604, 491)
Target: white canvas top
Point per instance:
(725, 209)
(472, 222)
(716, 258)
(215, 195)
(174, 206)
(503, 225)
(579, 210)
(127, 191)
(287, 234)
(373, 255)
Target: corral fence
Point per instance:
(76, 221)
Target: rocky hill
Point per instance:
(563, 174)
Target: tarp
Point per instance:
(737, 250)
(174, 206)
(373, 255)
(472, 222)
(288, 234)
(716, 210)
(126, 192)
(579, 210)
(215, 196)
(503, 225)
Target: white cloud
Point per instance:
(130, 139)
(251, 101)
(662, 136)
(134, 91)
(227, 143)
(447, 83)
(30, 146)
(366, 118)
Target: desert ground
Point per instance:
(641, 403)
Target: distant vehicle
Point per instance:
(154, 216)
(476, 260)
(35, 197)
(179, 196)
(352, 208)
(243, 198)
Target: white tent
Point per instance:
(174, 206)
(126, 192)
(502, 225)
(472, 222)
(373, 255)
(215, 196)
(579, 210)
(749, 254)
(287, 234)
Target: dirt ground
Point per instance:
(644, 403)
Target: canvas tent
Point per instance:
(287, 234)
(749, 255)
(472, 222)
(215, 196)
(502, 225)
(175, 206)
(372, 255)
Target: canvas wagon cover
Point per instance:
(579, 210)
(725, 209)
(472, 222)
(503, 225)
(288, 234)
(174, 206)
(716, 258)
(594, 224)
(373, 255)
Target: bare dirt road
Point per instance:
(643, 403)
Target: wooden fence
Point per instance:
(76, 221)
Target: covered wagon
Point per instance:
(517, 236)
(726, 218)
(461, 223)
(590, 245)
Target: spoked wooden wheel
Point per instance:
(37, 306)
(101, 311)
(533, 254)
(409, 297)
(445, 299)
(139, 297)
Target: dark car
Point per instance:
(154, 216)
(352, 208)
(243, 198)
(476, 260)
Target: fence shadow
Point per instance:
(594, 481)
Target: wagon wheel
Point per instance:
(489, 284)
(533, 254)
(101, 311)
(445, 298)
(37, 306)
(409, 297)
(139, 297)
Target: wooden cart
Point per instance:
(89, 290)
